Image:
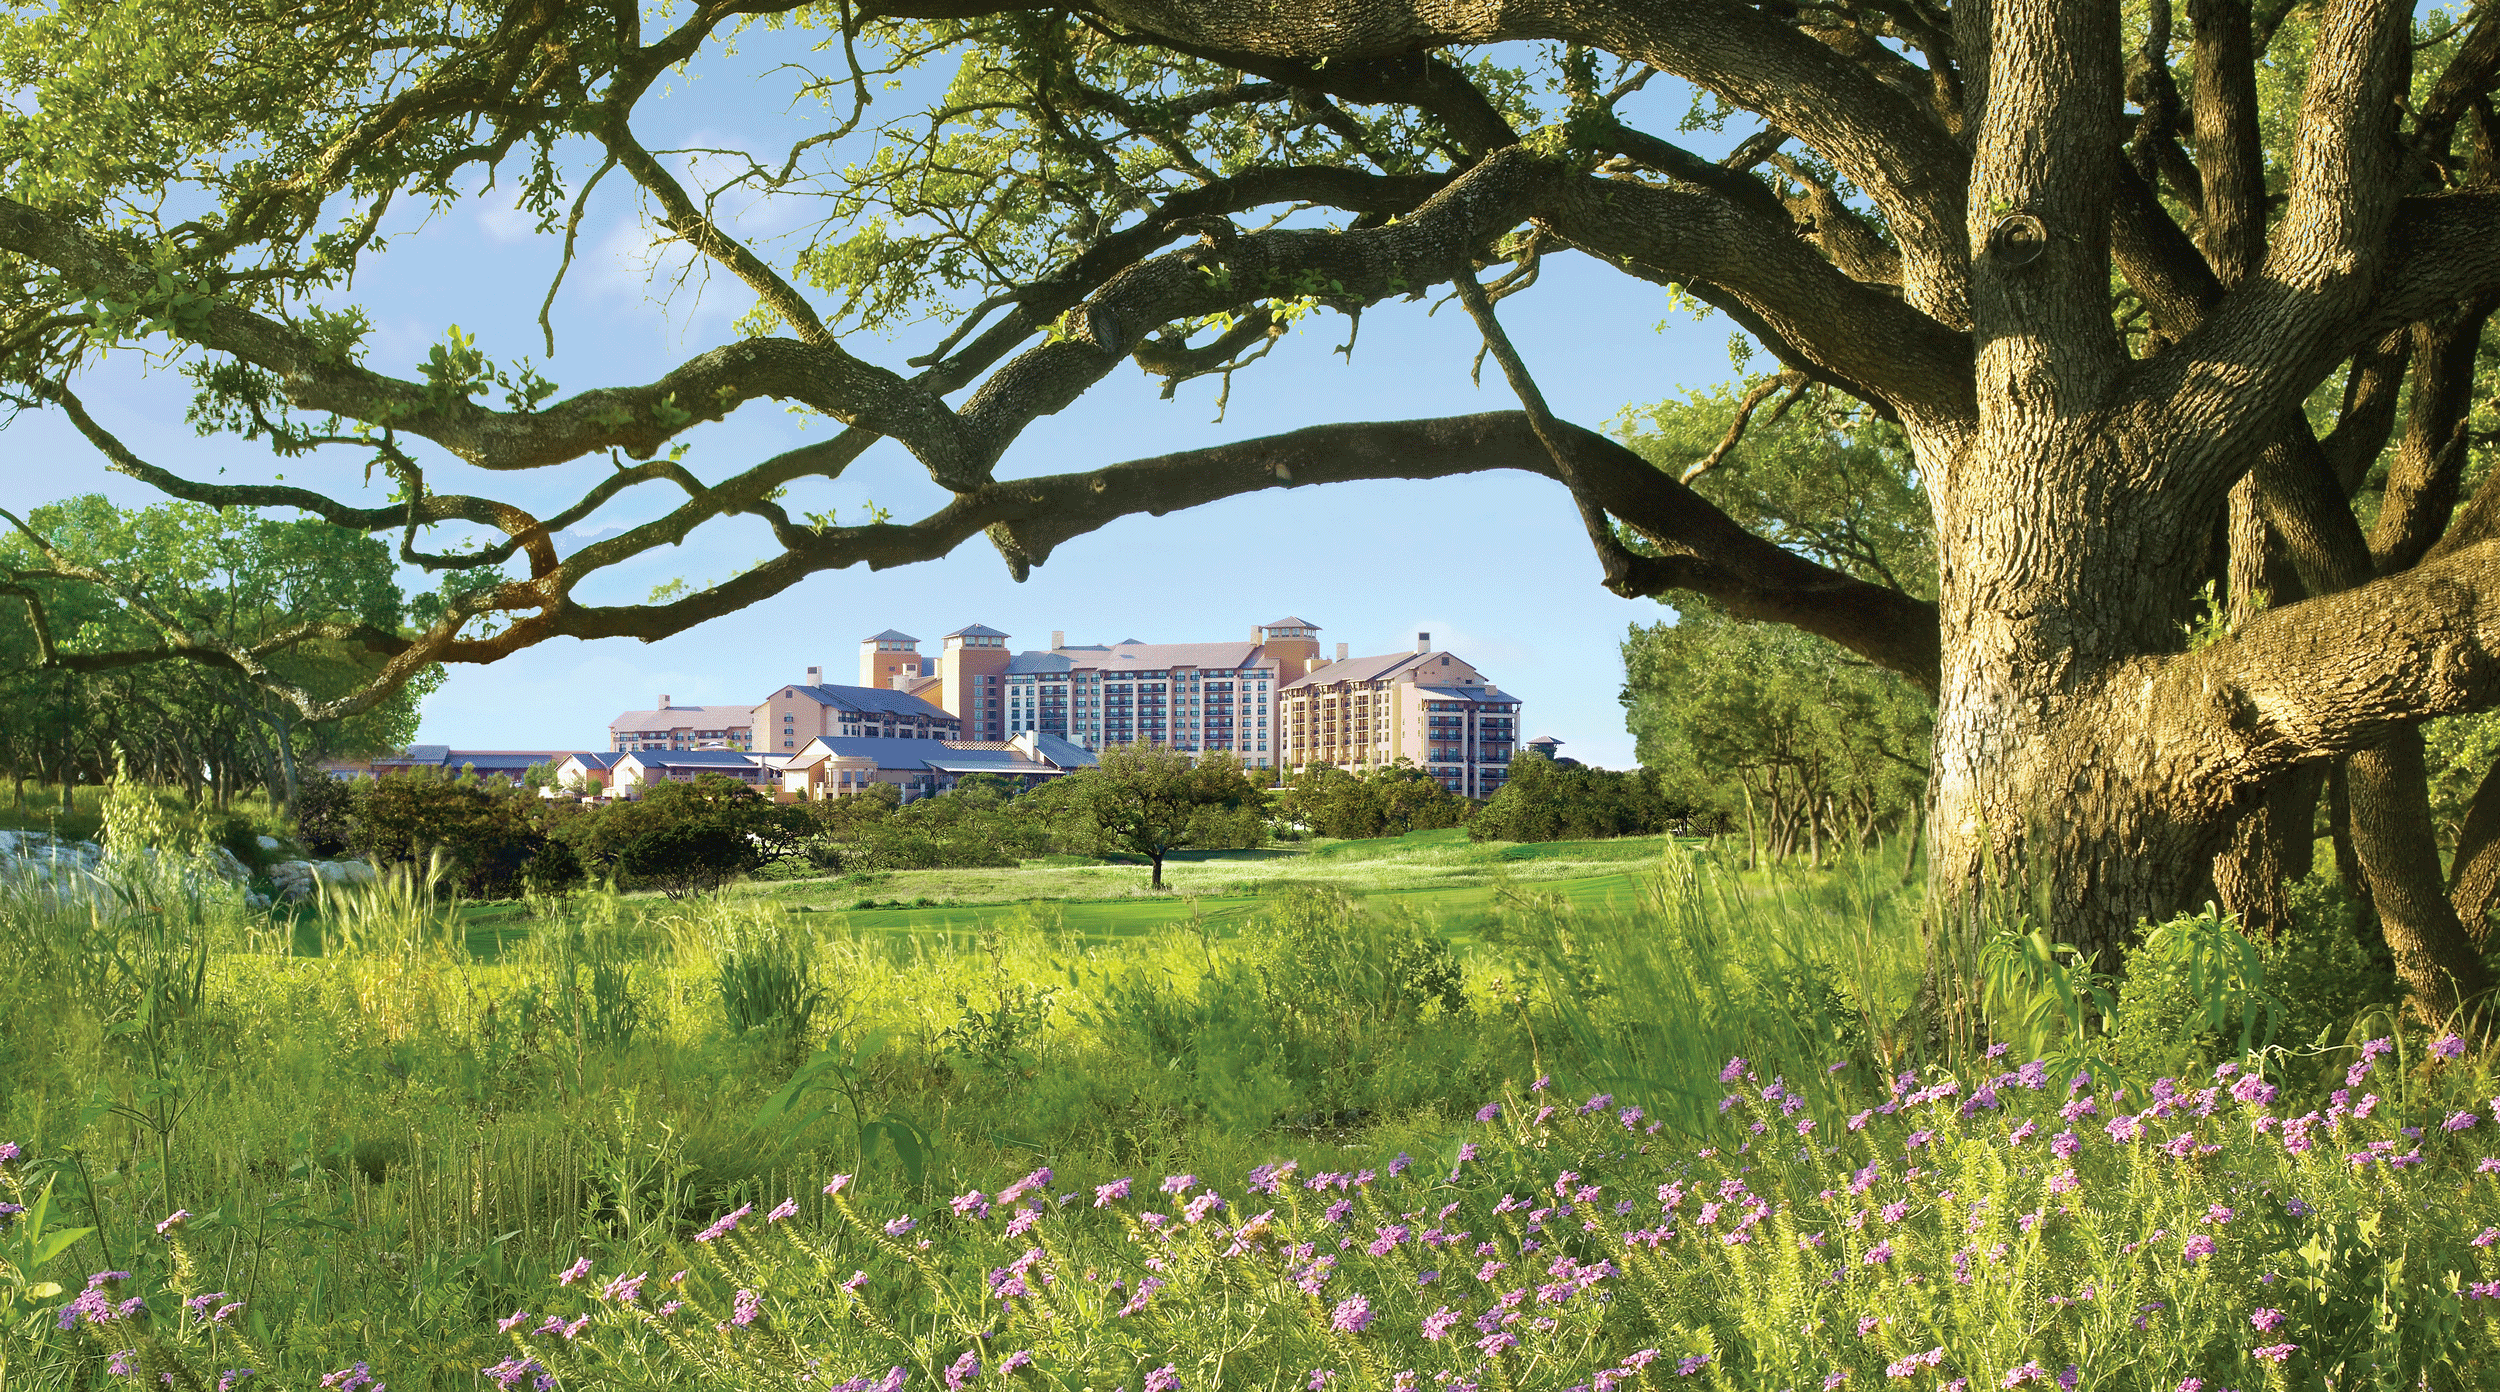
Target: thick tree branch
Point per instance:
(1886, 143)
(2429, 466)
(2327, 676)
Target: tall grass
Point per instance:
(385, 1139)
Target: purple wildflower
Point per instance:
(2196, 1247)
(1488, 1111)
(1352, 1316)
(1164, 1379)
(1105, 1194)
(1439, 1323)
(2448, 1047)
(2276, 1353)
(963, 1370)
(574, 1272)
(1019, 1359)
(2267, 1321)
(896, 1227)
(787, 1208)
(172, 1221)
(724, 1225)
(746, 1308)
(837, 1184)
(1179, 1183)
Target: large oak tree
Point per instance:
(2044, 237)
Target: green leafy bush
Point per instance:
(493, 836)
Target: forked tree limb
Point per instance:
(1702, 548)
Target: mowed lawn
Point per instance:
(1438, 875)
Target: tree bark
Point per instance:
(2474, 872)
(2392, 833)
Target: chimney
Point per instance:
(815, 676)
(1341, 652)
(1258, 635)
(664, 700)
(1423, 642)
(1058, 639)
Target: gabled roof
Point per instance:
(891, 635)
(1000, 761)
(1065, 753)
(1289, 622)
(690, 758)
(976, 631)
(684, 718)
(1140, 657)
(444, 756)
(901, 755)
(597, 759)
(1356, 669)
(1481, 695)
(1025, 662)
(871, 700)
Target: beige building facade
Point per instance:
(676, 727)
(1431, 708)
(804, 710)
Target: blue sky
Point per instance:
(1493, 566)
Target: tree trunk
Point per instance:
(1157, 857)
(2391, 830)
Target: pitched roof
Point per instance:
(891, 635)
(1355, 669)
(1481, 695)
(1000, 761)
(1024, 662)
(1289, 622)
(444, 756)
(902, 755)
(597, 759)
(871, 700)
(1140, 657)
(691, 758)
(684, 718)
(977, 631)
(1066, 753)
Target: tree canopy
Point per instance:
(2164, 305)
(272, 586)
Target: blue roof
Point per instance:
(1066, 753)
(1038, 662)
(890, 636)
(691, 758)
(889, 753)
(977, 631)
(873, 700)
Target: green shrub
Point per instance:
(490, 833)
(323, 814)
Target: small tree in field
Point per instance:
(1147, 798)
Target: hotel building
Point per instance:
(683, 728)
(1431, 708)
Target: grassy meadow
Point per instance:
(1037, 1125)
